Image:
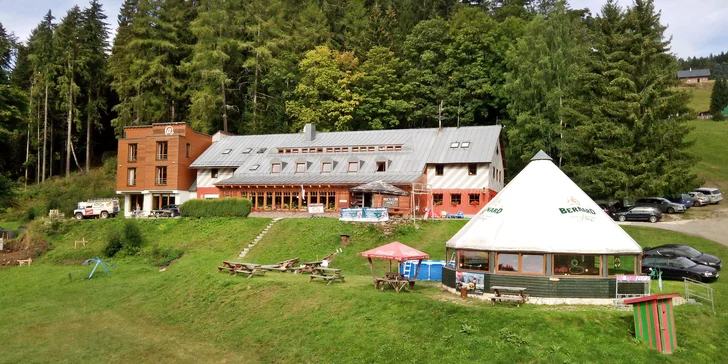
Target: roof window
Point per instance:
(465, 145)
(247, 150)
(261, 150)
(254, 167)
(227, 151)
(454, 144)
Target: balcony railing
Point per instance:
(161, 181)
(161, 157)
(131, 182)
(132, 158)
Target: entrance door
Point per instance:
(368, 200)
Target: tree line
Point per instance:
(595, 91)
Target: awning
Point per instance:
(380, 187)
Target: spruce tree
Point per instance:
(719, 99)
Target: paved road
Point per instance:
(715, 228)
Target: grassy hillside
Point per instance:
(710, 146)
(700, 96)
(191, 313)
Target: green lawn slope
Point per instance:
(191, 313)
(710, 147)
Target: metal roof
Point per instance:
(419, 148)
(693, 73)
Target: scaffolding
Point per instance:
(421, 189)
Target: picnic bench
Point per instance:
(306, 267)
(283, 266)
(234, 268)
(512, 294)
(327, 274)
(395, 280)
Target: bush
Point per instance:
(228, 207)
(30, 214)
(129, 239)
(163, 257)
(113, 246)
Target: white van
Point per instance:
(713, 194)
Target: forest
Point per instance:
(596, 91)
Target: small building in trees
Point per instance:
(542, 232)
(450, 169)
(692, 76)
(154, 165)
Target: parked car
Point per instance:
(171, 210)
(678, 250)
(662, 204)
(638, 213)
(684, 199)
(713, 194)
(699, 199)
(609, 207)
(678, 268)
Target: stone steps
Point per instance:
(258, 238)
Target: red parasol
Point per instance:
(395, 251)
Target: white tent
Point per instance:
(542, 210)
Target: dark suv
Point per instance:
(662, 204)
(170, 210)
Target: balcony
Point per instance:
(162, 157)
(161, 181)
(131, 182)
(132, 159)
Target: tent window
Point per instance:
(532, 264)
(451, 255)
(507, 262)
(437, 199)
(474, 260)
(577, 265)
(624, 264)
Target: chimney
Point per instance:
(309, 132)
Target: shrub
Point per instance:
(30, 214)
(163, 257)
(113, 246)
(129, 239)
(228, 207)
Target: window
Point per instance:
(381, 166)
(161, 179)
(131, 177)
(247, 150)
(326, 167)
(213, 173)
(472, 169)
(474, 199)
(439, 169)
(261, 150)
(455, 199)
(275, 168)
(132, 152)
(161, 151)
(624, 264)
(451, 256)
(577, 265)
(300, 167)
(533, 264)
(227, 151)
(353, 166)
(437, 199)
(187, 150)
(475, 260)
(254, 167)
(454, 144)
(465, 145)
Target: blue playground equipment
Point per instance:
(98, 261)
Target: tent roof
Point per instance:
(380, 187)
(542, 210)
(395, 251)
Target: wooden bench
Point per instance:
(510, 294)
(327, 274)
(81, 242)
(25, 261)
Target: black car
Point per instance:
(638, 213)
(678, 250)
(170, 210)
(662, 204)
(678, 268)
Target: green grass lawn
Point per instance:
(700, 97)
(710, 146)
(191, 313)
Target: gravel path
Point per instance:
(714, 228)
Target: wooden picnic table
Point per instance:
(234, 268)
(504, 293)
(327, 274)
(307, 267)
(395, 280)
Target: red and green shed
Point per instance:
(654, 321)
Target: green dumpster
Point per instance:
(654, 321)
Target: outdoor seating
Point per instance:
(327, 274)
(395, 280)
(307, 267)
(512, 294)
(283, 266)
(394, 251)
(234, 268)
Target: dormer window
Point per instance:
(275, 168)
(300, 167)
(381, 166)
(353, 167)
(247, 150)
(227, 151)
(454, 144)
(327, 167)
(465, 145)
(254, 167)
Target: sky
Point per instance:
(698, 27)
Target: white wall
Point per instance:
(204, 176)
(456, 176)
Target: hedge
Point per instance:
(227, 207)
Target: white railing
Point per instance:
(698, 290)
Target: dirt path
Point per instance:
(713, 228)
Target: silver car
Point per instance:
(699, 199)
(713, 194)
